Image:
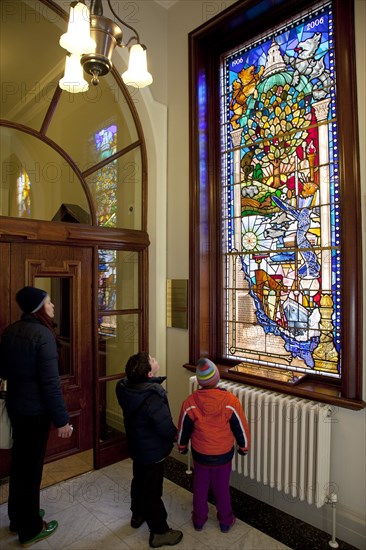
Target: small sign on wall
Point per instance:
(177, 303)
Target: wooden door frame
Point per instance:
(14, 230)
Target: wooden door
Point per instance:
(66, 273)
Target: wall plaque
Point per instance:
(177, 303)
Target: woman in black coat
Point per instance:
(29, 363)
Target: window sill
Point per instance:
(307, 389)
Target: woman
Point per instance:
(29, 363)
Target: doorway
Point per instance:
(65, 272)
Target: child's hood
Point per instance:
(131, 396)
(211, 400)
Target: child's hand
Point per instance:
(242, 452)
(183, 449)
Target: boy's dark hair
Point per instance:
(138, 367)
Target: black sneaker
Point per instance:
(170, 538)
(137, 521)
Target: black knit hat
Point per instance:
(30, 299)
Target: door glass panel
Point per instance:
(35, 181)
(116, 189)
(111, 424)
(118, 340)
(117, 280)
(59, 290)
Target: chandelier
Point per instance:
(90, 41)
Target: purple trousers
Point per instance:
(218, 477)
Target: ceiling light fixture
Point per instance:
(90, 41)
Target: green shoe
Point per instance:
(13, 528)
(48, 529)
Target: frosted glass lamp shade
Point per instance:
(73, 80)
(77, 40)
(137, 74)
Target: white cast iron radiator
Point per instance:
(290, 442)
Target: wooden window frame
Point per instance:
(231, 28)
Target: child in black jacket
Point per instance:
(150, 435)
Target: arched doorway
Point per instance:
(73, 193)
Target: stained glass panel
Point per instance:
(24, 195)
(118, 273)
(279, 161)
(106, 177)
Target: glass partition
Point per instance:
(112, 109)
(30, 78)
(117, 189)
(35, 181)
(111, 424)
(118, 340)
(117, 280)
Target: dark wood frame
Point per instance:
(232, 27)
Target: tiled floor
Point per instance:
(93, 511)
(59, 470)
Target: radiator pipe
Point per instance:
(332, 499)
(189, 469)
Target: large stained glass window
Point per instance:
(279, 173)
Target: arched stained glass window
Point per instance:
(279, 156)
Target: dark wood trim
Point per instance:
(349, 178)
(50, 111)
(236, 24)
(110, 159)
(15, 229)
(308, 389)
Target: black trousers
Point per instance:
(30, 435)
(146, 493)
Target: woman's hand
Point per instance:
(65, 431)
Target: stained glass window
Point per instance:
(279, 173)
(106, 201)
(24, 195)
(106, 177)
(107, 277)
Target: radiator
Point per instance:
(290, 442)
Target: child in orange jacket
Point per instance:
(213, 419)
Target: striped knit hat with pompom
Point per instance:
(207, 373)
